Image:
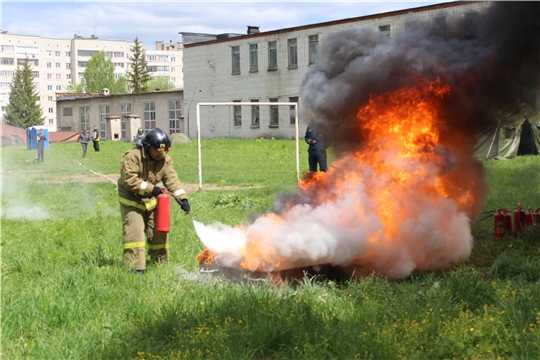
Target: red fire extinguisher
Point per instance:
(519, 220)
(529, 218)
(507, 221)
(163, 221)
(536, 216)
(500, 225)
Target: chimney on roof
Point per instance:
(253, 30)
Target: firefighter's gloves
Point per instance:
(157, 191)
(184, 204)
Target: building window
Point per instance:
(51, 121)
(293, 53)
(411, 25)
(68, 65)
(125, 110)
(439, 26)
(67, 111)
(313, 49)
(292, 112)
(59, 87)
(84, 115)
(49, 65)
(237, 110)
(82, 64)
(51, 110)
(235, 59)
(104, 111)
(68, 76)
(58, 76)
(86, 52)
(470, 25)
(49, 53)
(274, 114)
(384, 30)
(57, 53)
(35, 74)
(49, 87)
(253, 58)
(7, 61)
(272, 55)
(68, 53)
(255, 119)
(149, 115)
(49, 98)
(49, 76)
(174, 116)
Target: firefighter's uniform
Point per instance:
(139, 174)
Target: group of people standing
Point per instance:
(85, 137)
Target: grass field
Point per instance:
(65, 294)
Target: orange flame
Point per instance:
(407, 186)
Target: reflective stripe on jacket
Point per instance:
(139, 175)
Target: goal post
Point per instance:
(199, 104)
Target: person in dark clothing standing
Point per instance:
(317, 149)
(84, 138)
(95, 138)
(41, 138)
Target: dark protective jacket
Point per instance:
(318, 143)
(139, 174)
(84, 138)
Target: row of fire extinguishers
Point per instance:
(522, 219)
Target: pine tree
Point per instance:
(23, 109)
(138, 76)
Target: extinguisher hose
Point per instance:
(180, 203)
(490, 214)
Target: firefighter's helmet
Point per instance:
(140, 130)
(157, 139)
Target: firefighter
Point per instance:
(317, 149)
(143, 171)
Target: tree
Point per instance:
(160, 83)
(99, 74)
(23, 109)
(138, 76)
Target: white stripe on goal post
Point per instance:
(199, 104)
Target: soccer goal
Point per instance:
(199, 104)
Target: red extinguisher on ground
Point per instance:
(530, 218)
(519, 220)
(536, 216)
(507, 221)
(500, 224)
(163, 221)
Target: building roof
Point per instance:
(76, 96)
(206, 39)
(8, 131)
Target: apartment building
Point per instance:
(58, 63)
(270, 66)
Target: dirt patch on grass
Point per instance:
(38, 176)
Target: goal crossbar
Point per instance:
(199, 104)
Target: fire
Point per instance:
(402, 200)
(205, 257)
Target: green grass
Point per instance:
(65, 294)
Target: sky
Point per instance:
(153, 21)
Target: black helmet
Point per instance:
(157, 139)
